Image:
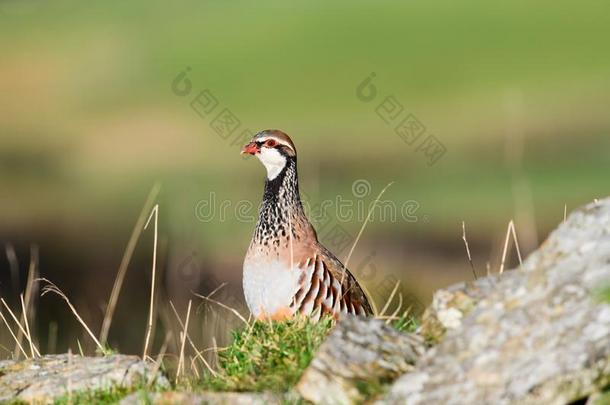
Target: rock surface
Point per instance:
(536, 334)
(203, 398)
(47, 378)
(357, 350)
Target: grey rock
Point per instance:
(357, 350)
(45, 379)
(202, 398)
(536, 334)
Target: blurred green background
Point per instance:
(518, 93)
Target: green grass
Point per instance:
(267, 356)
(406, 323)
(604, 398)
(112, 395)
(272, 356)
(103, 397)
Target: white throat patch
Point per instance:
(273, 161)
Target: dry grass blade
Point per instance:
(510, 231)
(198, 355)
(159, 359)
(389, 300)
(366, 221)
(183, 342)
(517, 245)
(220, 304)
(397, 310)
(29, 292)
(149, 326)
(17, 322)
(351, 251)
(52, 288)
(216, 349)
(162, 251)
(120, 277)
(31, 282)
(194, 368)
(215, 290)
(504, 251)
(390, 317)
(27, 327)
(474, 273)
(13, 335)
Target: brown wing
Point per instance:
(321, 290)
(352, 291)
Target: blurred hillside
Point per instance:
(90, 118)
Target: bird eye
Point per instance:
(270, 143)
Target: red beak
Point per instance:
(251, 149)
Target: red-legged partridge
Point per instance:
(286, 270)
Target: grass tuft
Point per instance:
(406, 323)
(267, 356)
(271, 356)
(108, 396)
